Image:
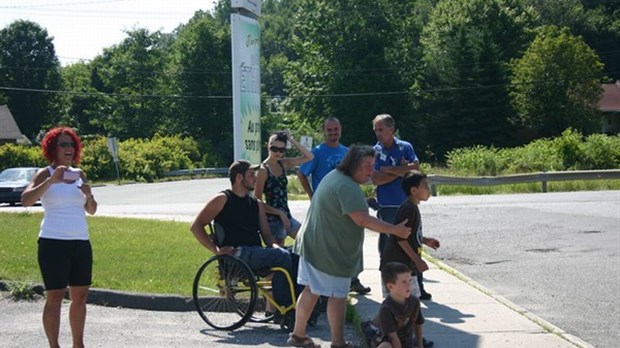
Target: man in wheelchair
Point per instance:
(242, 217)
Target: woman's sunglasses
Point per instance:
(277, 149)
(67, 144)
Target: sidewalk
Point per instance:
(462, 313)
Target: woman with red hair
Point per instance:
(64, 254)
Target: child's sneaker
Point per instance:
(372, 335)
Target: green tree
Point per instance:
(556, 84)
(407, 19)
(598, 22)
(460, 94)
(84, 107)
(342, 69)
(200, 63)
(132, 72)
(28, 66)
(277, 24)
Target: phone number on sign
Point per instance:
(251, 145)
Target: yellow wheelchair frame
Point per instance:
(227, 292)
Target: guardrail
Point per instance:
(436, 179)
(203, 171)
(198, 171)
(542, 177)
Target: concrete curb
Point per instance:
(133, 300)
(152, 302)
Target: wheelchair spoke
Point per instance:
(225, 292)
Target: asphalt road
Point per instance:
(109, 327)
(555, 254)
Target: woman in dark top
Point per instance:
(271, 181)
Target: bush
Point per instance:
(147, 160)
(567, 152)
(569, 149)
(12, 155)
(97, 160)
(601, 151)
(537, 156)
(476, 160)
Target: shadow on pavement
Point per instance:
(439, 322)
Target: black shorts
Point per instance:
(65, 262)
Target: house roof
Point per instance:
(610, 100)
(8, 127)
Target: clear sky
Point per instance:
(82, 28)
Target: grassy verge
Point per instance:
(129, 254)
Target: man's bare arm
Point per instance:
(303, 180)
(205, 217)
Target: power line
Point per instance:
(106, 14)
(47, 4)
(356, 71)
(101, 94)
(303, 96)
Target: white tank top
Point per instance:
(64, 215)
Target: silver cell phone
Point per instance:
(70, 175)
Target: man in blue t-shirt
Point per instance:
(327, 156)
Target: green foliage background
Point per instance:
(148, 160)
(453, 73)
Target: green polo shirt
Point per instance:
(328, 239)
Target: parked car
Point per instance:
(13, 181)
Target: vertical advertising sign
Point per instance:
(246, 87)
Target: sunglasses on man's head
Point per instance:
(274, 148)
(66, 144)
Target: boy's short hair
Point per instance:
(412, 179)
(391, 270)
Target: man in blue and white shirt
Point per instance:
(395, 158)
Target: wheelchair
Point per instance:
(228, 294)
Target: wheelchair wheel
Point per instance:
(225, 292)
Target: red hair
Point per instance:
(49, 144)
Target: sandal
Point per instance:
(345, 345)
(304, 342)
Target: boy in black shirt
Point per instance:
(409, 251)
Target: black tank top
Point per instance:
(240, 220)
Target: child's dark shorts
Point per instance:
(65, 262)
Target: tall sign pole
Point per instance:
(245, 42)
